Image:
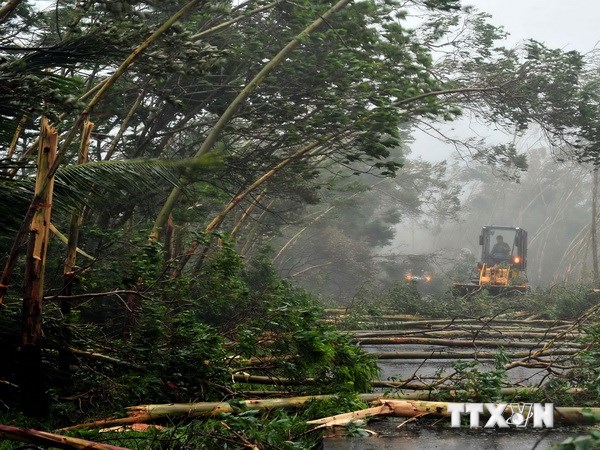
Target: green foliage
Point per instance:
(92, 184)
(588, 441)
(179, 344)
(566, 302)
(401, 298)
(320, 352)
(405, 298)
(185, 356)
(221, 296)
(108, 179)
(277, 430)
(474, 384)
(556, 390)
(344, 402)
(587, 373)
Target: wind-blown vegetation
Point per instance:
(241, 153)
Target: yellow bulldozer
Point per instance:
(501, 270)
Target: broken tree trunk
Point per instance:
(31, 377)
(479, 328)
(402, 408)
(105, 359)
(413, 408)
(247, 212)
(439, 354)
(479, 333)
(484, 321)
(15, 139)
(451, 342)
(69, 274)
(52, 440)
(407, 384)
(594, 227)
(146, 413)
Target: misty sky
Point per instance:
(569, 25)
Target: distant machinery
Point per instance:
(503, 263)
(421, 277)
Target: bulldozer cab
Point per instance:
(504, 245)
(501, 270)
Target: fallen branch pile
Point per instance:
(410, 408)
(451, 342)
(409, 384)
(386, 407)
(147, 413)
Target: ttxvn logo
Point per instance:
(504, 415)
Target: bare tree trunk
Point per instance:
(136, 104)
(413, 408)
(15, 139)
(8, 8)
(247, 213)
(51, 440)
(31, 376)
(594, 226)
(69, 274)
(168, 246)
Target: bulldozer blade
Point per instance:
(468, 290)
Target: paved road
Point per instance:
(427, 439)
(415, 436)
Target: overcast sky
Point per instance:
(565, 24)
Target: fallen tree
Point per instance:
(471, 326)
(37, 437)
(146, 413)
(386, 407)
(408, 321)
(413, 408)
(407, 384)
(439, 354)
(479, 333)
(451, 342)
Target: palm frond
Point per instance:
(95, 183)
(26, 85)
(68, 53)
(98, 182)
(14, 201)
